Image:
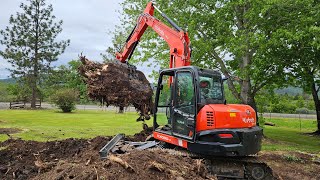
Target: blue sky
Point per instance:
(85, 22)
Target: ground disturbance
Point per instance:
(79, 159)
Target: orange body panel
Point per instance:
(221, 116)
(170, 139)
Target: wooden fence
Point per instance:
(23, 104)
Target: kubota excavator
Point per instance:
(197, 116)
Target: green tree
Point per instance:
(118, 40)
(30, 44)
(229, 35)
(66, 76)
(296, 40)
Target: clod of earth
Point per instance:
(117, 84)
(9, 130)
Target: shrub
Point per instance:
(65, 99)
(302, 111)
(284, 107)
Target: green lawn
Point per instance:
(43, 125)
(287, 135)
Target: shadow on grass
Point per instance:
(64, 112)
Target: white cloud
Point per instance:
(86, 23)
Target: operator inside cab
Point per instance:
(210, 90)
(204, 90)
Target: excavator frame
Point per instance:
(214, 127)
(225, 135)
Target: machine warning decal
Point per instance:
(233, 114)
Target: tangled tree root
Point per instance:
(117, 84)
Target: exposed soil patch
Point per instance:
(79, 159)
(293, 165)
(9, 130)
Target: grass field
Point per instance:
(43, 125)
(287, 135)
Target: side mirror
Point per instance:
(224, 79)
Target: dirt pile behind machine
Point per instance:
(117, 84)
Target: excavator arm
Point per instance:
(176, 38)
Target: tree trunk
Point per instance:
(35, 59)
(247, 97)
(252, 102)
(121, 109)
(316, 103)
(34, 93)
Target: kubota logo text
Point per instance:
(248, 120)
(163, 137)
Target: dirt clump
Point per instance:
(141, 136)
(9, 130)
(118, 84)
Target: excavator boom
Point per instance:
(176, 38)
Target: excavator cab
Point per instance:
(191, 112)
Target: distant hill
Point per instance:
(9, 80)
(292, 91)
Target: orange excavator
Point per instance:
(197, 117)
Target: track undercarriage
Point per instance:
(222, 167)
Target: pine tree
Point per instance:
(30, 43)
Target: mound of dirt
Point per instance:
(140, 165)
(79, 159)
(117, 84)
(25, 159)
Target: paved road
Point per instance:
(4, 105)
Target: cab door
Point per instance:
(184, 110)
